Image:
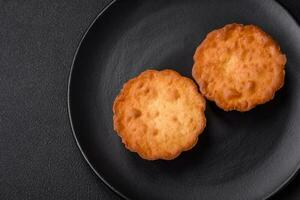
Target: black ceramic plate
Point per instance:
(239, 156)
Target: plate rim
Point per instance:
(279, 188)
(106, 183)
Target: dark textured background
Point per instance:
(39, 158)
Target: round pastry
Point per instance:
(159, 114)
(239, 67)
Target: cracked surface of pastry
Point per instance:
(239, 67)
(159, 114)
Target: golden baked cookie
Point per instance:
(239, 67)
(159, 114)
